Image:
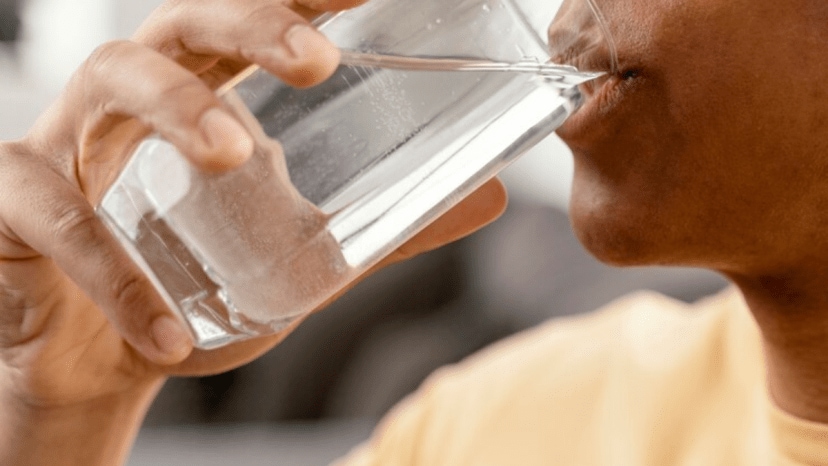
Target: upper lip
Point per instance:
(591, 60)
(578, 42)
(593, 120)
(585, 58)
(601, 95)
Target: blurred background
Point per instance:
(322, 391)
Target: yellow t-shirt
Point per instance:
(645, 381)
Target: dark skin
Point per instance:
(708, 148)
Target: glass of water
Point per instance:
(433, 98)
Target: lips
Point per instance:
(577, 38)
(602, 98)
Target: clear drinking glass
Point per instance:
(363, 161)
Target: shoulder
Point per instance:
(642, 325)
(563, 382)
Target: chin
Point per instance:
(610, 240)
(618, 231)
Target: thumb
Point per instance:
(51, 216)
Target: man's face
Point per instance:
(709, 146)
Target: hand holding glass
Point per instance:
(421, 112)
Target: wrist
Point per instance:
(99, 431)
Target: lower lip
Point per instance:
(598, 104)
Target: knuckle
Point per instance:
(91, 85)
(85, 85)
(104, 58)
(159, 85)
(75, 225)
(128, 293)
(179, 103)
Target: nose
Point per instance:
(578, 38)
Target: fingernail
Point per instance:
(171, 338)
(306, 42)
(229, 143)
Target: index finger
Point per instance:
(223, 36)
